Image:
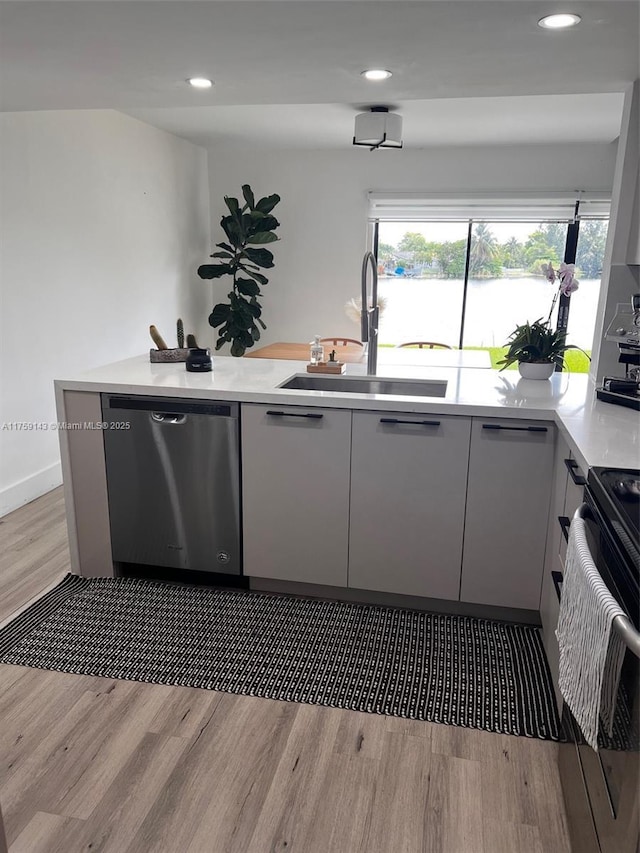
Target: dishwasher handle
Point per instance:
(168, 418)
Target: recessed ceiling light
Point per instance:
(200, 82)
(559, 22)
(376, 74)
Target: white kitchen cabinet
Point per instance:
(549, 601)
(85, 483)
(508, 496)
(408, 483)
(295, 504)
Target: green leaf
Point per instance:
(247, 287)
(255, 221)
(237, 348)
(220, 343)
(248, 196)
(219, 315)
(225, 246)
(262, 279)
(262, 237)
(222, 255)
(263, 222)
(262, 257)
(232, 230)
(234, 206)
(265, 205)
(214, 270)
(255, 309)
(243, 314)
(255, 332)
(262, 323)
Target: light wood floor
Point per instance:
(92, 764)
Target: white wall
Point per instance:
(324, 208)
(104, 221)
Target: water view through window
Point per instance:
(421, 277)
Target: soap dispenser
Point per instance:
(316, 354)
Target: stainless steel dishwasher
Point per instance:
(173, 482)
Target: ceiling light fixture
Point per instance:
(200, 82)
(376, 74)
(378, 129)
(560, 21)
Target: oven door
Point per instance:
(612, 775)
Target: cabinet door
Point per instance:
(549, 602)
(510, 472)
(408, 483)
(295, 493)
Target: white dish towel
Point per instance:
(591, 652)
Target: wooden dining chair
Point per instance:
(340, 342)
(424, 345)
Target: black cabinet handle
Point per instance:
(572, 468)
(564, 522)
(315, 415)
(514, 428)
(557, 582)
(415, 423)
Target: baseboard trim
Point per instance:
(386, 599)
(32, 487)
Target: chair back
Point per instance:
(424, 345)
(340, 342)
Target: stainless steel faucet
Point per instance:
(369, 316)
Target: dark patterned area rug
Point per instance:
(445, 669)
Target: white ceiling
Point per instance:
(287, 72)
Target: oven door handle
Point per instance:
(624, 627)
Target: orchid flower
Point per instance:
(568, 282)
(565, 274)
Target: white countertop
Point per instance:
(600, 433)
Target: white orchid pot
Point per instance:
(533, 370)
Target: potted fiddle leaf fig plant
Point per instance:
(537, 349)
(249, 227)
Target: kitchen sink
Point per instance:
(368, 385)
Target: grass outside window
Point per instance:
(574, 360)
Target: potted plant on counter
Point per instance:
(536, 347)
(248, 227)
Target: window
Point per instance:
(466, 272)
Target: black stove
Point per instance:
(614, 497)
(600, 785)
(618, 491)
